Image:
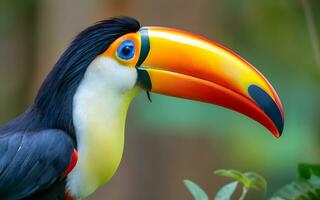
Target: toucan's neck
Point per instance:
(99, 114)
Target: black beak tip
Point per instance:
(267, 104)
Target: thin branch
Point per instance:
(312, 30)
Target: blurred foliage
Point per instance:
(14, 10)
(17, 55)
(307, 188)
(307, 170)
(300, 190)
(249, 180)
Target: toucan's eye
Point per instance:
(126, 50)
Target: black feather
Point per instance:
(32, 162)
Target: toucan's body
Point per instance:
(70, 140)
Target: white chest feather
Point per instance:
(99, 111)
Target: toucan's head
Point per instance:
(122, 56)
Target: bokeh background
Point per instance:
(171, 139)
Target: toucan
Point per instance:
(70, 140)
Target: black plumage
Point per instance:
(32, 161)
(36, 147)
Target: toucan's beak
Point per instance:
(181, 64)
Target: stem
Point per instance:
(244, 193)
(312, 30)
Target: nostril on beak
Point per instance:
(267, 104)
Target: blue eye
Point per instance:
(126, 50)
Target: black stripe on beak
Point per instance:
(145, 46)
(143, 76)
(267, 104)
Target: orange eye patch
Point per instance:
(125, 49)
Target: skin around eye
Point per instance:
(126, 50)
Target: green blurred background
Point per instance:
(171, 139)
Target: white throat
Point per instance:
(99, 112)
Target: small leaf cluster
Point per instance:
(307, 187)
(248, 180)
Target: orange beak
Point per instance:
(181, 64)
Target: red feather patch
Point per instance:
(72, 164)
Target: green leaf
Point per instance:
(196, 191)
(226, 191)
(256, 181)
(307, 170)
(300, 190)
(250, 180)
(231, 173)
(315, 181)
